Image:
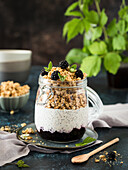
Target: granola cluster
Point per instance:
(28, 131)
(67, 99)
(11, 89)
(67, 88)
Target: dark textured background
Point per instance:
(37, 25)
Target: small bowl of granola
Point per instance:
(13, 96)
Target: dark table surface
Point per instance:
(39, 161)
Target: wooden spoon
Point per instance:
(85, 157)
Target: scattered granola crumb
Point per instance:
(97, 160)
(29, 137)
(23, 124)
(110, 158)
(7, 128)
(102, 156)
(2, 128)
(11, 112)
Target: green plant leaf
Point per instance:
(119, 42)
(98, 48)
(86, 141)
(103, 18)
(92, 17)
(74, 13)
(87, 25)
(112, 62)
(121, 26)
(75, 56)
(96, 33)
(125, 60)
(71, 7)
(87, 1)
(91, 65)
(123, 13)
(112, 28)
(73, 28)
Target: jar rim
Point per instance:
(49, 81)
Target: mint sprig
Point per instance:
(21, 164)
(86, 141)
(62, 78)
(73, 68)
(49, 67)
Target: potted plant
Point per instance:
(103, 44)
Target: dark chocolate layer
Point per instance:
(75, 134)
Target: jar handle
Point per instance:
(42, 92)
(96, 102)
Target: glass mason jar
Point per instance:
(62, 111)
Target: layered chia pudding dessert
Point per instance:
(61, 112)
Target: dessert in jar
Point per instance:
(61, 112)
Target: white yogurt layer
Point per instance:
(60, 120)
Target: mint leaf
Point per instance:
(97, 32)
(21, 164)
(62, 78)
(25, 166)
(49, 67)
(112, 62)
(46, 69)
(98, 48)
(71, 8)
(91, 65)
(119, 42)
(73, 28)
(75, 56)
(103, 18)
(121, 26)
(112, 28)
(86, 141)
(73, 68)
(92, 16)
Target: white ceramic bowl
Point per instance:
(13, 103)
(15, 65)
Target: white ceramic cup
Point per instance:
(15, 65)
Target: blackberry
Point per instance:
(111, 155)
(63, 64)
(44, 73)
(79, 73)
(55, 75)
